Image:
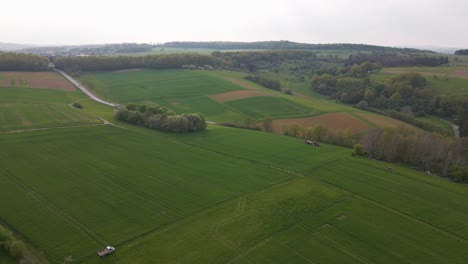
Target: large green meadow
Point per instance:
(30, 108)
(222, 196)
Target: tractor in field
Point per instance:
(106, 251)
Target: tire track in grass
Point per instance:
(337, 245)
(395, 211)
(123, 183)
(383, 230)
(51, 206)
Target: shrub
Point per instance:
(77, 105)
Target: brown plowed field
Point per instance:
(332, 122)
(41, 80)
(235, 95)
(383, 121)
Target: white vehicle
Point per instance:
(107, 251)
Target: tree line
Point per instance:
(265, 82)
(11, 61)
(461, 52)
(76, 65)
(393, 59)
(160, 118)
(283, 44)
(427, 151)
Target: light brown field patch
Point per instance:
(41, 80)
(384, 121)
(242, 83)
(332, 122)
(235, 95)
(460, 73)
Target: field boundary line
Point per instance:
(54, 208)
(53, 127)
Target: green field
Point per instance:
(220, 196)
(137, 85)
(224, 195)
(29, 108)
(258, 107)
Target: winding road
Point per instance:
(85, 90)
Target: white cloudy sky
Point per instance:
(381, 22)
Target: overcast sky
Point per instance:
(380, 22)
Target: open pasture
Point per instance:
(41, 80)
(130, 185)
(29, 108)
(131, 86)
(223, 195)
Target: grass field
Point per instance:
(29, 108)
(222, 196)
(128, 86)
(258, 107)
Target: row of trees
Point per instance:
(265, 82)
(75, 65)
(393, 59)
(427, 151)
(160, 118)
(461, 52)
(11, 61)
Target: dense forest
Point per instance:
(11, 61)
(160, 118)
(76, 65)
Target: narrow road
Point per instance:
(85, 90)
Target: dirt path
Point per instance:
(85, 89)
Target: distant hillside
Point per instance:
(13, 46)
(221, 45)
